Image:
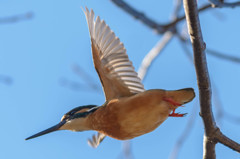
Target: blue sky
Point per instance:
(39, 55)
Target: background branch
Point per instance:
(220, 4)
(153, 53)
(6, 80)
(212, 52)
(139, 15)
(185, 134)
(16, 18)
(223, 56)
(159, 28)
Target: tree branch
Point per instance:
(6, 80)
(205, 7)
(221, 4)
(153, 53)
(16, 18)
(212, 133)
(227, 142)
(185, 134)
(159, 28)
(212, 52)
(204, 86)
(223, 56)
(86, 77)
(139, 15)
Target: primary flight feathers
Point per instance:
(115, 70)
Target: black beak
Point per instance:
(51, 129)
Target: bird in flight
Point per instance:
(129, 110)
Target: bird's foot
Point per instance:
(173, 114)
(170, 100)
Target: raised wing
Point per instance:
(111, 62)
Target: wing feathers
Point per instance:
(114, 63)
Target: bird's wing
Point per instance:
(111, 62)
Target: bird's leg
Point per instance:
(173, 114)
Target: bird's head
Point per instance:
(74, 120)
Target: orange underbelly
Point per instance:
(129, 117)
(135, 116)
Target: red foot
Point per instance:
(173, 114)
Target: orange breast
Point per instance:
(129, 117)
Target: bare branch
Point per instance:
(205, 7)
(6, 80)
(212, 52)
(185, 48)
(126, 151)
(221, 4)
(223, 56)
(212, 133)
(85, 76)
(194, 29)
(159, 28)
(184, 134)
(153, 53)
(139, 15)
(76, 86)
(231, 118)
(208, 148)
(89, 85)
(177, 8)
(227, 142)
(220, 112)
(16, 18)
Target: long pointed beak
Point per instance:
(49, 130)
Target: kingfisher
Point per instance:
(130, 110)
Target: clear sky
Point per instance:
(39, 55)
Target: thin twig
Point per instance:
(126, 151)
(220, 113)
(6, 80)
(76, 86)
(223, 56)
(203, 8)
(153, 53)
(177, 9)
(16, 18)
(214, 53)
(185, 48)
(185, 134)
(139, 15)
(85, 76)
(221, 4)
(89, 84)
